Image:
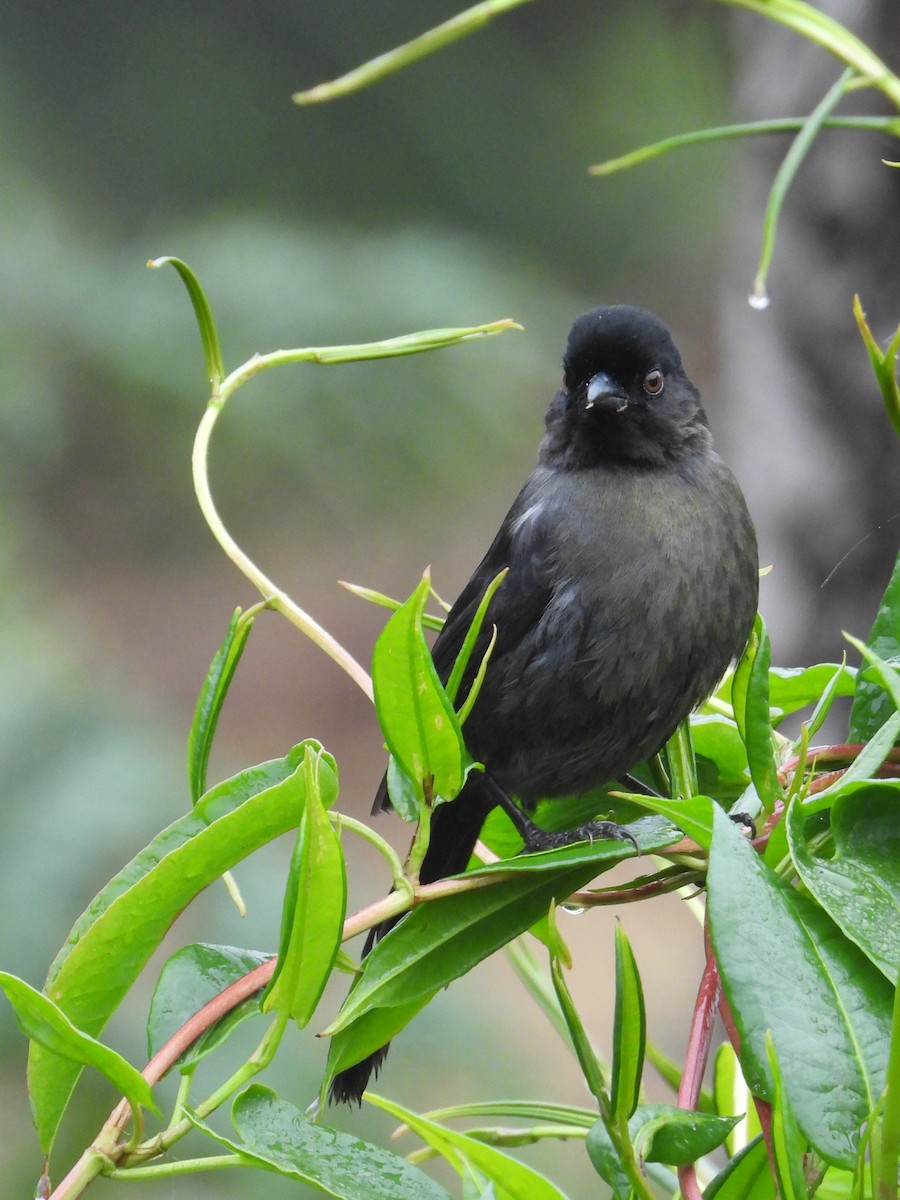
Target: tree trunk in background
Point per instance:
(818, 460)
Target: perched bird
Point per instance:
(632, 585)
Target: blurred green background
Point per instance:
(454, 193)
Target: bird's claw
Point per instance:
(540, 839)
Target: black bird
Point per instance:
(632, 585)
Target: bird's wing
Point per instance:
(518, 603)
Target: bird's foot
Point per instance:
(745, 821)
(540, 839)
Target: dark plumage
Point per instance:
(632, 585)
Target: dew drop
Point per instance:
(758, 300)
(574, 910)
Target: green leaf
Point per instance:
(191, 978)
(366, 1034)
(315, 900)
(693, 817)
(606, 1161)
(861, 770)
(211, 698)
(859, 887)
(629, 1033)
(215, 370)
(401, 791)
(440, 941)
(47, 1026)
(112, 941)
(718, 740)
(277, 1137)
(660, 1133)
(732, 1098)
(671, 1135)
(525, 1110)
(417, 719)
(787, 968)
(746, 1177)
(437, 943)
(650, 833)
(883, 364)
(512, 1179)
(584, 1051)
(872, 704)
(465, 652)
(436, 624)
(787, 1142)
(793, 688)
(750, 697)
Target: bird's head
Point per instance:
(624, 395)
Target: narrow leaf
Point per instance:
(215, 370)
(732, 1098)
(417, 719)
(746, 1177)
(46, 1025)
(277, 1137)
(512, 1179)
(629, 1033)
(884, 363)
(429, 622)
(584, 1051)
(314, 904)
(212, 697)
(465, 652)
(871, 702)
(788, 1144)
(750, 696)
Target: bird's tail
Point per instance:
(454, 831)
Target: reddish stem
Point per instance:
(696, 1058)
(763, 1107)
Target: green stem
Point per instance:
(784, 178)
(401, 56)
(728, 133)
(258, 1061)
(185, 1166)
(400, 882)
(272, 594)
(415, 343)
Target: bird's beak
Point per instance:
(605, 394)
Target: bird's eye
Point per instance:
(654, 382)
